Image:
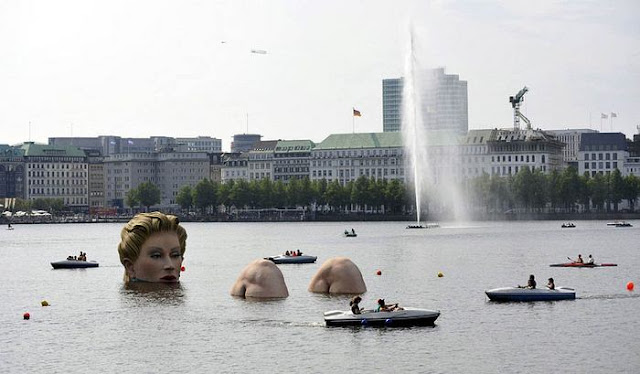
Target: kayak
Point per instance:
(284, 259)
(404, 317)
(528, 294)
(580, 265)
(74, 264)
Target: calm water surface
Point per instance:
(94, 324)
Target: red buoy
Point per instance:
(378, 272)
(630, 286)
(26, 315)
(182, 268)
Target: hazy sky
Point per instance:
(185, 68)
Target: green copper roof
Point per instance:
(383, 140)
(362, 140)
(285, 146)
(41, 150)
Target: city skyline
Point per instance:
(289, 70)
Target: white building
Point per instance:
(345, 157)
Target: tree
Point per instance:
(631, 190)
(205, 195)
(360, 192)
(395, 195)
(185, 197)
(616, 189)
(132, 198)
(148, 194)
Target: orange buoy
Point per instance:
(182, 268)
(26, 315)
(630, 286)
(378, 272)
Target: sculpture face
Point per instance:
(160, 259)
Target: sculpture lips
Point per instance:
(169, 278)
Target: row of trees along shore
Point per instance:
(525, 192)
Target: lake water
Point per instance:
(94, 324)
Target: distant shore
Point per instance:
(306, 217)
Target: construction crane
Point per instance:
(515, 104)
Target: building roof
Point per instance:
(612, 140)
(285, 146)
(42, 150)
(264, 146)
(361, 140)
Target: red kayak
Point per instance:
(580, 265)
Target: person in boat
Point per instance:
(152, 248)
(338, 275)
(298, 253)
(353, 231)
(579, 260)
(287, 253)
(382, 307)
(346, 232)
(70, 258)
(355, 307)
(531, 283)
(550, 284)
(260, 279)
(590, 260)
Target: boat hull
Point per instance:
(406, 317)
(74, 264)
(526, 294)
(580, 265)
(282, 259)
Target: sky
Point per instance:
(141, 68)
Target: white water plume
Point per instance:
(432, 156)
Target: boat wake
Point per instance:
(610, 297)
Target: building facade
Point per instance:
(55, 172)
(345, 157)
(602, 153)
(292, 159)
(442, 102)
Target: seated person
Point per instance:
(590, 260)
(70, 257)
(298, 253)
(531, 283)
(260, 279)
(551, 285)
(579, 260)
(382, 307)
(355, 307)
(287, 253)
(338, 275)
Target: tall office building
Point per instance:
(442, 99)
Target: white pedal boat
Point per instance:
(406, 317)
(527, 294)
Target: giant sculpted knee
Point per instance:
(260, 279)
(338, 275)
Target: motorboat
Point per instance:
(402, 317)
(350, 234)
(74, 264)
(530, 294)
(619, 224)
(580, 265)
(420, 226)
(568, 225)
(284, 259)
